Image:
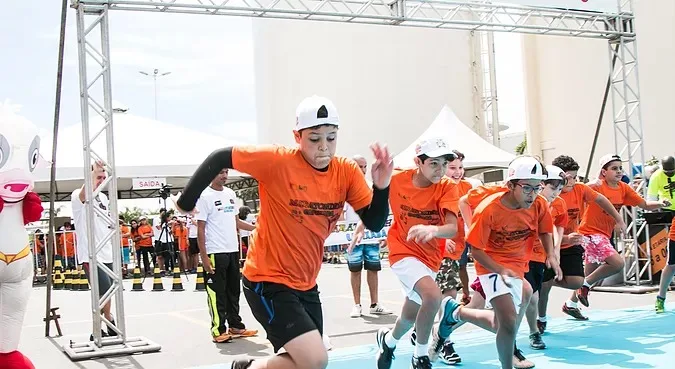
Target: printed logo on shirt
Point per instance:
(573, 214)
(217, 203)
(429, 216)
(330, 210)
(297, 187)
(507, 235)
(231, 201)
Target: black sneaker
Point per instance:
(103, 335)
(436, 345)
(111, 332)
(385, 354)
(241, 364)
(421, 362)
(448, 355)
(536, 342)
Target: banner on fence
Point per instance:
(344, 231)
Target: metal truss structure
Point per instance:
(96, 94)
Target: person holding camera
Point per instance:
(163, 241)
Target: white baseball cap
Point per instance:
(315, 111)
(525, 167)
(553, 172)
(608, 159)
(433, 148)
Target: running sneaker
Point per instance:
(541, 326)
(356, 311)
(448, 307)
(582, 295)
(223, 338)
(421, 362)
(574, 312)
(520, 361)
(436, 344)
(385, 354)
(241, 364)
(380, 310)
(242, 332)
(448, 355)
(660, 308)
(536, 342)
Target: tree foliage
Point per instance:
(130, 214)
(520, 149)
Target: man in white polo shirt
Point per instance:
(105, 254)
(217, 223)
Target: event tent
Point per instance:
(144, 148)
(480, 155)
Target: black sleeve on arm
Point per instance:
(374, 216)
(207, 171)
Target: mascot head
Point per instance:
(19, 155)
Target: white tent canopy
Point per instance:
(480, 154)
(144, 148)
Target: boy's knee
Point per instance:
(314, 360)
(432, 298)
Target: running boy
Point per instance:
(424, 203)
(302, 194)
(602, 260)
(577, 197)
(499, 235)
(553, 185)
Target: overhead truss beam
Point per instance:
(462, 15)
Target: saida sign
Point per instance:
(148, 183)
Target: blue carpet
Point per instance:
(633, 338)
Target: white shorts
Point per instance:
(493, 286)
(410, 270)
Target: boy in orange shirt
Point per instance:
(302, 195)
(602, 260)
(553, 185)
(500, 234)
(577, 197)
(423, 201)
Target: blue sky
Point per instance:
(211, 87)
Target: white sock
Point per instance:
(586, 283)
(571, 304)
(389, 340)
(542, 319)
(421, 350)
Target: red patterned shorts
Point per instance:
(598, 248)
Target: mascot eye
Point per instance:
(4, 150)
(34, 153)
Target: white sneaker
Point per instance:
(379, 310)
(356, 311)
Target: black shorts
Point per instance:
(193, 246)
(104, 280)
(535, 275)
(671, 252)
(571, 263)
(283, 312)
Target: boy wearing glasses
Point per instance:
(662, 186)
(500, 236)
(577, 197)
(602, 260)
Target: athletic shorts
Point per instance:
(536, 275)
(464, 259)
(571, 263)
(409, 270)
(671, 252)
(366, 256)
(448, 276)
(193, 246)
(598, 248)
(126, 255)
(284, 313)
(495, 287)
(104, 280)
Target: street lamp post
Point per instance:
(154, 75)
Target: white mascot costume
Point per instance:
(19, 155)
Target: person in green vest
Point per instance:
(662, 187)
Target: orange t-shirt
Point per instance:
(577, 200)
(595, 220)
(145, 230)
(476, 195)
(181, 235)
(504, 233)
(67, 244)
(126, 240)
(558, 211)
(463, 187)
(412, 206)
(299, 208)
